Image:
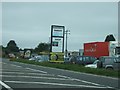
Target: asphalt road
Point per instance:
(19, 75)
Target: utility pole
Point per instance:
(66, 51)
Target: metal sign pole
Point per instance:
(66, 51)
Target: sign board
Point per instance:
(57, 38)
(58, 31)
(57, 44)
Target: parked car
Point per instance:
(109, 63)
(94, 65)
(66, 59)
(32, 58)
(83, 60)
(40, 58)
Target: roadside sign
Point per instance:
(57, 38)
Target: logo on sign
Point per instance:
(92, 48)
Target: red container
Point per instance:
(96, 49)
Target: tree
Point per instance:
(109, 38)
(2, 48)
(42, 47)
(12, 47)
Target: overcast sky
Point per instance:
(29, 23)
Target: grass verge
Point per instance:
(73, 67)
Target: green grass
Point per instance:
(73, 67)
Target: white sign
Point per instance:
(57, 44)
(58, 31)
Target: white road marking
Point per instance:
(15, 65)
(63, 76)
(11, 70)
(36, 70)
(90, 83)
(27, 73)
(5, 85)
(78, 80)
(58, 84)
(50, 78)
(74, 79)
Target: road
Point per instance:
(19, 75)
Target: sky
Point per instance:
(29, 23)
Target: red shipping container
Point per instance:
(96, 49)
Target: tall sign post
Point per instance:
(57, 40)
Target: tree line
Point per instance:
(42, 47)
(13, 48)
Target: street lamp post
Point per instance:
(66, 32)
